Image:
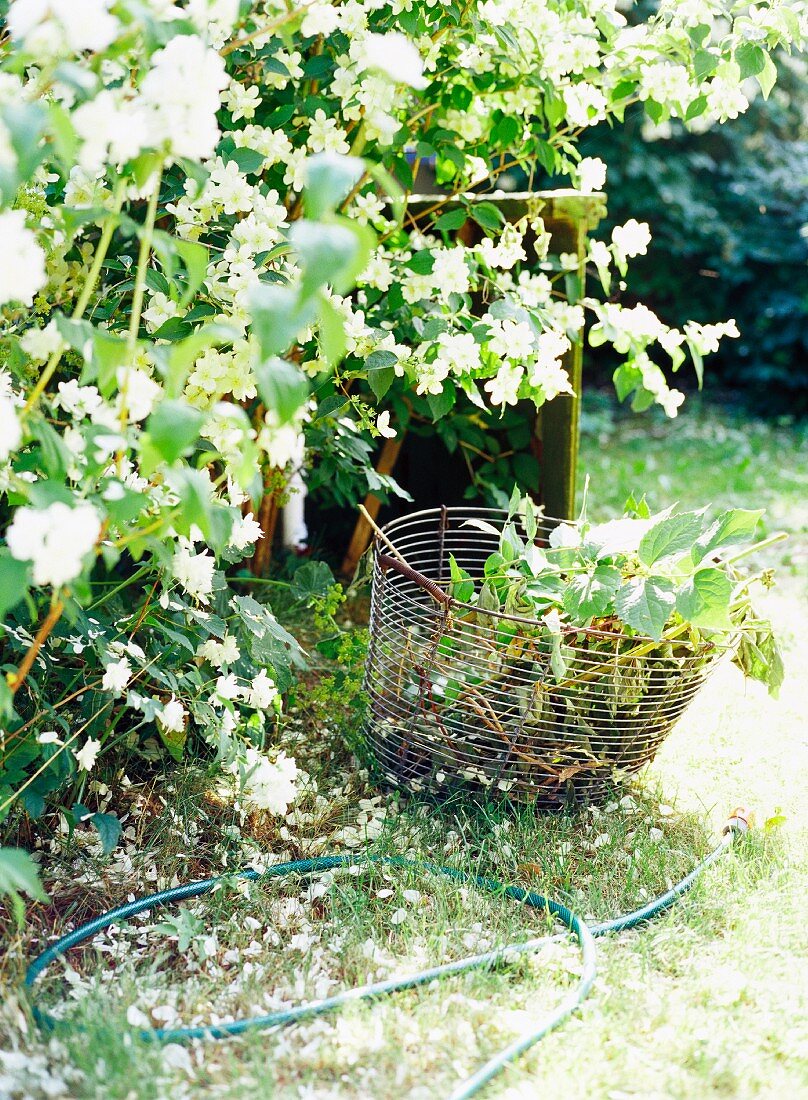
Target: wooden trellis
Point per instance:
(569, 217)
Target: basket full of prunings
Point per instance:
(551, 659)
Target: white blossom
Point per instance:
(54, 539)
(87, 754)
(10, 428)
(394, 55)
(246, 531)
(383, 425)
(631, 239)
(194, 572)
(262, 691)
(117, 675)
(267, 785)
(22, 272)
(173, 716)
(55, 27)
(591, 175)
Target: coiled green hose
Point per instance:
(582, 932)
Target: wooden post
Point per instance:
(558, 423)
(363, 531)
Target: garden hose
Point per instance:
(736, 825)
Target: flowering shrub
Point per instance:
(184, 215)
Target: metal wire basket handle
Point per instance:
(435, 591)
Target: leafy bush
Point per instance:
(728, 208)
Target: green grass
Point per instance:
(706, 1002)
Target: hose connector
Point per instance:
(739, 822)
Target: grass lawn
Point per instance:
(711, 1000)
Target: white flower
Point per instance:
(79, 401)
(41, 343)
(22, 271)
(111, 129)
(10, 429)
(394, 55)
(49, 737)
(227, 687)
(591, 175)
(194, 572)
(450, 273)
(138, 393)
(161, 309)
(262, 693)
(221, 653)
(116, 676)
(631, 239)
(599, 254)
(460, 350)
(383, 425)
(267, 785)
(59, 26)
(510, 339)
(172, 717)
(325, 136)
(246, 531)
(55, 539)
(586, 105)
(504, 387)
(86, 756)
(319, 19)
(182, 91)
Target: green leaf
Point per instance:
(589, 594)
(24, 124)
(282, 386)
(278, 315)
(672, 535)
(380, 359)
(19, 875)
(704, 64)
(487, 215)
(704, 599)
(758, 657)
(750, 59)
(331, 331)
(735, 526)
(329, 179)
(645, 604)
(15, 577)
(380, 381)
(109, 830)
(311, 581)
(453, 219)
(170, 431)
(195, 257)
(331, 254)
(442, 403)
(462, 584)
(194, 489)
(767, 77)
(55, 455)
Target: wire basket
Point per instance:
(457, 694)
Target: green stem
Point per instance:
(779, 537)
(108, 229)
(146, 239)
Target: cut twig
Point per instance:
(369, 518)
